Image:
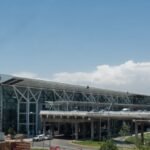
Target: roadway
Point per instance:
(64, 144)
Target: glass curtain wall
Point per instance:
(9, 109)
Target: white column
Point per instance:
(100, 129)
(84, 130)
(36, 119)
(28, 113)
(76, 131)
(58, 128)
(136, 130)
(142, 133)
(18, 116)
(108, 128)
(44, 127)
(92, 130)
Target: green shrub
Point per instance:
(125, 130)
(144, 148)
(108, 145)
(11, 131)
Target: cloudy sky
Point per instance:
(105, 43)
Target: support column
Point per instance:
(100, 129)
(108, 129)
(142, 133)
(92, 130)
(136, 130)
(53, 132)
(58, 128)
(76, 131)
(36, 119)
(27, 117)
(18, 117)
(44, 127)
(72, 130)
(84, 130)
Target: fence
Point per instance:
(15, 146)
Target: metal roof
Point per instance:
(43, 84)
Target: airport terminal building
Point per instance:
(28, 106)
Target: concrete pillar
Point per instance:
(142, 133)
(36, 118)
(28, 115)
(108, 128)
(76, 131)
(84, 130)
(18, 116)
(44, 127)
(58, 128)
(53, 132)
(92, 130)
(100, 129)
(136, 130)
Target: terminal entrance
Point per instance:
(94, 126)
(93, 129)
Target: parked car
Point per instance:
(39, 137)
(126, 109)
(48, 137)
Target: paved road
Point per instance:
(64, 144)
(67, 144)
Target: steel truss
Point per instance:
(66, 100)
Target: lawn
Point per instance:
(96, 144)
(132, 139)
(88, 143)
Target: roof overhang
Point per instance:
(43, 84)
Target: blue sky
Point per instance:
(51, 36)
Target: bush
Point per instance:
(11, 131)
(108, 145)
(125, 130)
(144, 148)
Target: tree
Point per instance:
(125, 130)
(108, 145)
(11, 131)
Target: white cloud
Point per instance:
(129, 76)
(26, 75)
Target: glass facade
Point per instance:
(22, 105)
(9, 109)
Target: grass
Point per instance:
(96, 144)
(88, 143)
(132, 139)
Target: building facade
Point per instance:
(22, 99)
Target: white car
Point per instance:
(48, 137)
(125, 109)
(39, 137)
